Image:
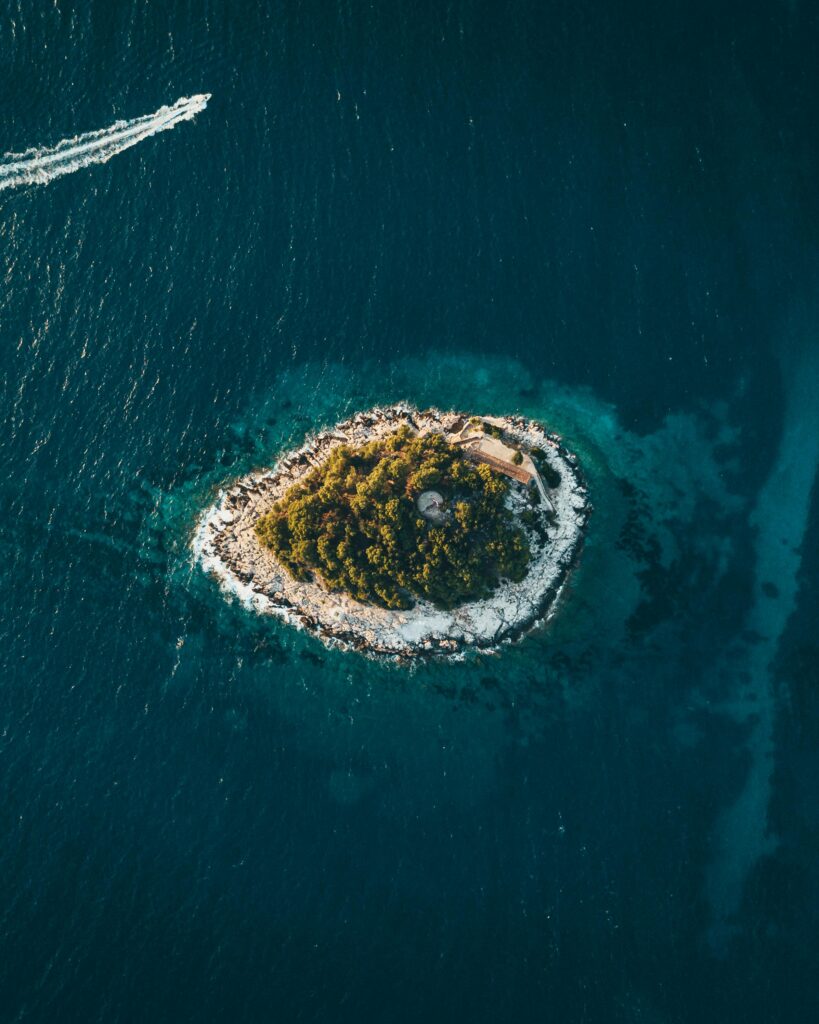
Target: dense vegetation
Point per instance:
(354, 523)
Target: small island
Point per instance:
(403, 533)
(366, 523)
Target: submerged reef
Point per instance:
(256, 538)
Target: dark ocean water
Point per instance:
(602, 215)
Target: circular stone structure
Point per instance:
(431, 506)
(226, 545)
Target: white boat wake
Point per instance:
(41, 165)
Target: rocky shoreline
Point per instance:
(226, 546)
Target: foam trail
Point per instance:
(39, 166)
(780, 518)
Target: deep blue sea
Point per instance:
(601, 215)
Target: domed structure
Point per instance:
(431, 506)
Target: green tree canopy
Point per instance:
(353, 523)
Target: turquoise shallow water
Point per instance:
(603, 221)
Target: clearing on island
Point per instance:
(405, 533)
